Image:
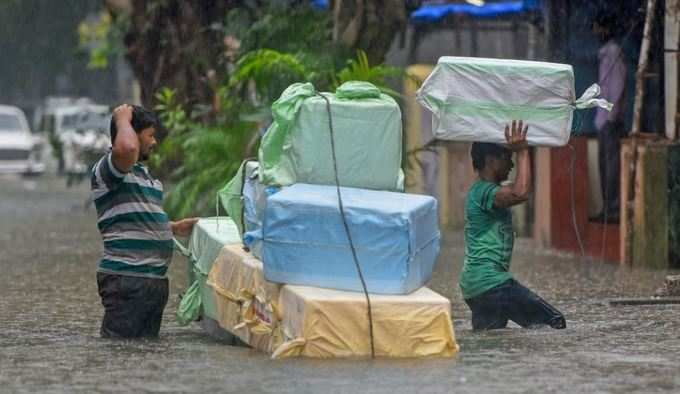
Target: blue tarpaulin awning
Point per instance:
(431, 13)
(320, 4)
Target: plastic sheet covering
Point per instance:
(207, 239)
(396, 237)
(230, 196)
(255, 195)
(245, 301)
(189, 308)
(472, 99)
(331, 323)
(367, 135)
(287, 321)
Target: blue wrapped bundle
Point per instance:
(396, 237)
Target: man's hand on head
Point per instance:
(183, 227)
(123, 113)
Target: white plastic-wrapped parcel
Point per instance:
(472, 99)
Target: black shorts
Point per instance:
(133, 306)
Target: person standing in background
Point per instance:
(610, 125)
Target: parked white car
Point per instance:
(77, 133)
(85, 138)
(20, 150)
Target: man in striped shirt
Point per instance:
(137, 233)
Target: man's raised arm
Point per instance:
(125, 152)
(519, 191)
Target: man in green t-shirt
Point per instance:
(493, 296)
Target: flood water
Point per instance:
(50, 314)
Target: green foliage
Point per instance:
(203, 156)
(360, 70)
(279, 27)
(270, 71)
(102, 38)
(279, 45)
(209, 162)
(173, 116)
(266, 50)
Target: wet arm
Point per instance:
(125, 152)
(183, 227)
(519, 191)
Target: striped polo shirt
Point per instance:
(135, 229)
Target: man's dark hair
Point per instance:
(142, 118)
(480, 151)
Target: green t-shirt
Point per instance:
(489, 239)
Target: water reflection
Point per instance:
(50, 315)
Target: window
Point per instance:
(9, 122)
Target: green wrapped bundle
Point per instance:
(367, 137)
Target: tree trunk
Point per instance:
(370, 25)
(170, 45)
(642, 67)
(628, 206)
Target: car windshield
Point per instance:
(86, 120)
(94, 120)
(9, 122)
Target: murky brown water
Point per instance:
(50, 314)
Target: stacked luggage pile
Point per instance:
(292, 286)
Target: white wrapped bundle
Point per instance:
(472, 99)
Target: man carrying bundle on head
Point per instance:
(489, 289)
